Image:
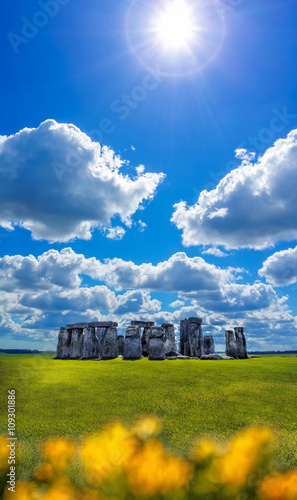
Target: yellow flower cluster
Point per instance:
(4, 454)
(279, 487)
(130, 464)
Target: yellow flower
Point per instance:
(62, 490)
(147, 427)
(23, 491)
(279, 487)
(152, 471)
(105, 454)
(45, 472)
(4, 454)
(245, 453)
(58, 452)
(203, 451)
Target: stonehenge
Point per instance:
(132, 343)
(191, 337)
(100, 339)
(208, 345)
(236, 343)
(156, 343)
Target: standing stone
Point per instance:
(156, 343)
(169, 345)
(208, 345)
(76, 346)
(90, 343)
(145, 338)
(231, 348)
(195, 337)
(110, 349)
(240, 343)
(121, 344)
(191, 338)
(183, 336)
(99, 333)
(64, 341)
(132, 343)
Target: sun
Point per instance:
(174, 26)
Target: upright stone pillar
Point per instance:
(76, 346)
(132, 343)
(90, 343)
(183, 336)
(145, 339)
(195, 337)
(121, 344)
(110, 349)
(231, 348)
(208, 345)
(156, 344)
(99, 333)
(169, 345)
(240, 343)
(64, 341)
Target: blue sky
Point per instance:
(105, 239)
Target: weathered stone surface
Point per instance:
(212, 357)
(92, 323)
(180, 356)
(231, 348)
(169, 344)
(195, 338)
(183, 336)
(208, 345)
(109, 343)
(64, 341)
(121, 344)
(156, 343)
(99, 333)
(132, 343)
(240, 343)
(198, 321)
(191, 338)
(90, 343)
(76, 346)
(145, 339)
(142, 324)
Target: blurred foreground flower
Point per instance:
(130, 464)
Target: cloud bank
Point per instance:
(254, 206)
(58, 184)
(280, 269)
(40, 294)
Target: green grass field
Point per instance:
(72, 398)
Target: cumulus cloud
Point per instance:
(215, 251)
(179, 273)
(40, 294)
(254, 206)
(58, 184)
(280, 269)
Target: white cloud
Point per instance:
(280, 269)
(58, 184)
(179, 273)
(40, 294)
(115, 233)
(177, 303)
(254, 206)
(215, 251)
